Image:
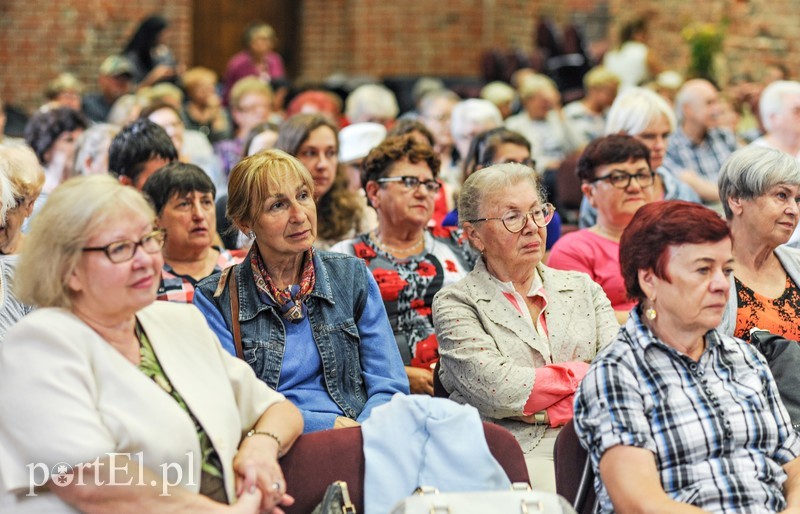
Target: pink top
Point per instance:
(596, 256)
(241, 65)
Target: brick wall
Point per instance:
(417, 37)
(40, 39)
(448, 37)
(759, 32)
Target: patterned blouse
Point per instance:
(409, 285)
(180, 288)
(777, 315)
(211, 467)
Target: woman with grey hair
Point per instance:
(515, 336)
(760, 190)
(91, 154)
(371, 102)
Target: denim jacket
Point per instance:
(360, 360)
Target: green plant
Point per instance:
(705, 41)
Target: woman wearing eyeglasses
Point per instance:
(497, 146)
(101, 376)
(410, 263)
(516, 336)
(617, 180)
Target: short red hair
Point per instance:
(657, 226)
(315, 101)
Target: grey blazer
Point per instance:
(489, 352)
(790, 260)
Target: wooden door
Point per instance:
(219, 24)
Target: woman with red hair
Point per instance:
(676, 416)
(316, 101)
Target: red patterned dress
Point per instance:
(409, 285)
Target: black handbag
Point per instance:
(336, 500)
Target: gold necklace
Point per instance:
(373, 235)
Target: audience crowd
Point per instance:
(203, 267)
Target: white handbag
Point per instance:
(519, 500)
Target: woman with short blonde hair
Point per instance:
(22, 169)
(311, 323)
(102, 347)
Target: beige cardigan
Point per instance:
(489, 352)
(66, 395)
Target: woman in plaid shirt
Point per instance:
(676, 416)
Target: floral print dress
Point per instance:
(408, 286)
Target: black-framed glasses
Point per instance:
(622, 180)
(515, 220)
(122, 251)
(431, 186)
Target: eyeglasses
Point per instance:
(431, 186)
(122, 251)
(515, 220)
(622, 180)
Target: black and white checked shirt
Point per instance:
(717, 427)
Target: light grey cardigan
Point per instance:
(789, 259)
(489, 352)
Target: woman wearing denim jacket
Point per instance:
(311, 323)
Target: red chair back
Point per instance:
(316, 460)
(574, 474)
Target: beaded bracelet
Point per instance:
(268, 434)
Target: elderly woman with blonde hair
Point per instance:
(311, 323)
(21, 167)
(122, 375)
(515, 336)
(11, 309)
(543, 123)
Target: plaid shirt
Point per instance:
(717, 427)
(180, 288)
(706, 158)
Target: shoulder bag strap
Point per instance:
(237, 333)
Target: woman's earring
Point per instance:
(251, 234)
(650, 313)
